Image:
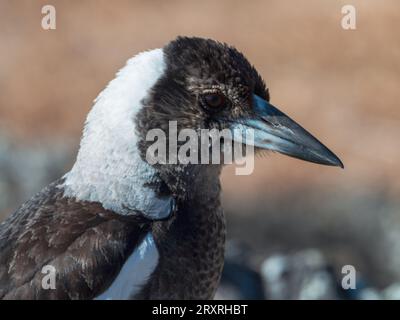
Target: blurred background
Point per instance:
(292, 225)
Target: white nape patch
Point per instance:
(134, 273)
(109, 168)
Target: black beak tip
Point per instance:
(339, 163)
(333, 160)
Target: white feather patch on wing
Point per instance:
(109, 168)
(134, 273)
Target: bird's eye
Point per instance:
(214, 100)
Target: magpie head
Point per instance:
(211, 85)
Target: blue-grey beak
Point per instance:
(273, 130)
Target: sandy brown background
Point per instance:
(343, 86)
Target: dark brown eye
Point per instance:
(214, 100)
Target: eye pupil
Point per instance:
(214, 100)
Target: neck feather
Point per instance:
(109, 168)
